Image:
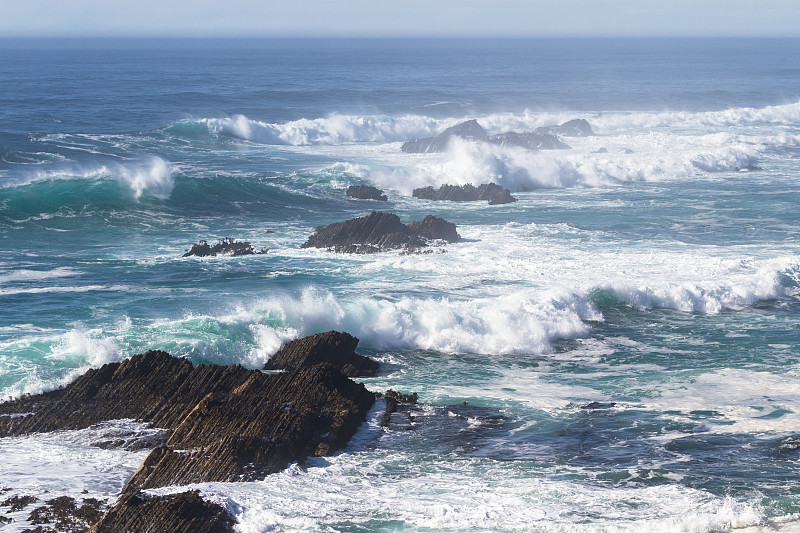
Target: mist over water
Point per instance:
(652, 268)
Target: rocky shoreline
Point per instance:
(223, 423)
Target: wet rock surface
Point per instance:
(223, 423)
(186, 511)
(490, 192)
(65, 514)
(366, 192)
(334, 347)
(226, 246)
(378, 232)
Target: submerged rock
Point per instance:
(375, 232)
(185, 511)
(466, 130)
(64, 514)
(491, 192)
(366, 192)
(225, 246)
(578, 127)
(335, 347)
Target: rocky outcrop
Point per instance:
(529, 140)
(185, 511)
(366, 192)
(466, 130)
(226, 246)
(334, 347)
(376, 232)
(491, 192)
(228, 423)
(545, 138)
(578, 127)
(435, 228)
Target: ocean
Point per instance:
(619, 350)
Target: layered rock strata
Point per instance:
(334, 347)
(223, 423)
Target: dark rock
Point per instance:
(258, 428)
(435, 228)
(491, 192)
(598, 405)
(64, 514)
(502, 197)
(334, 347)
(366, 192)
(529, 140)
(467, 130)
(393, 399)
(183, 512)
(228, 423)
(628, 151)
(374, 233)
(18, 503)
(578, 127)
(226, 246)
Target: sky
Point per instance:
(400, 18)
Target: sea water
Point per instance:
(659, 278)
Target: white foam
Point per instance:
(334, 129)
(408, 492)
(744, 401)
(37, 275)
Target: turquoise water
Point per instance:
(663, 284)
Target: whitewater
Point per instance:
(619, 350)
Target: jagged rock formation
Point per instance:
(228, 423)
(226, 246)
(539, 139)
(377, 232)
(467, 130)
(185, 511)
(491, 192)
(64, 514)
(577, 127)
(224, 423)
(334, 347)
(366, 192)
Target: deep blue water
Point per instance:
(660, 279)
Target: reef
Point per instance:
(366, 192)
(223, 423)
(225, 246)
(490, 192)
(379, 232)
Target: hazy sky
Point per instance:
(394, 18)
